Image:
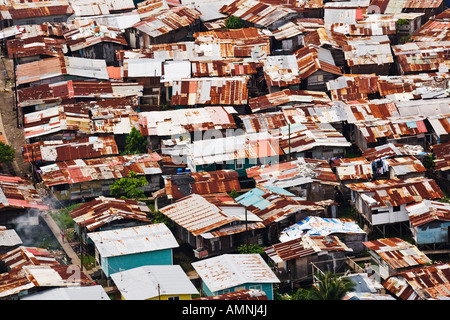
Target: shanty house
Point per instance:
(236, 152)
(153, 282)
(300, 257)
(312, 179)
(441, 162)
(104, 213)
(213, 224)
(346, 230)
(128, 248)
(235, 272)
(430, 221)
(95, 41)
(405, 167)
(86, 178)
(9, 240)
(421, 283)
(316, 67)
(393, 255)
(278, 208)
(382, 202)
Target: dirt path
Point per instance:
(8, 124)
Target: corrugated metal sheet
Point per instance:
(318, 226)
(19, 193)
(257, 12)
(167, 21)
(405, 165)
(232, 270)
(149, 282)
(210, 91)
(353, 169)
(395, 192)
(62, 150)
(77, 171)
(286, 97)
(427, 211)
(91, 34)
(351, 87)
(67, 66)
(38, 45)
(368, 50)
(263, 121)
(304, 246)
(180, 186)
(281, 71)
(197, 215)
(422, 56)
(95, 213)
(392, 150)
(398, 253)
(293, 173)
(423, 283)
(312, 58)
(134, 240)
(176, 122)
(9, 237)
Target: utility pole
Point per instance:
(289, 127)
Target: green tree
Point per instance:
(252, 248)
(129, 187)
(7, 153)
(428, 161)
(135, 143)
(233, 22)
(233, 193)
(330, 286)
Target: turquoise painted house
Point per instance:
(123, 249)
(430, 222)
(235, 272)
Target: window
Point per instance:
(239, 164)
(173, 298)
(256, 287)
(396, 208)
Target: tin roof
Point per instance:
(19, 193)
(79, 170)
(134, 240)
(353, 169)
(351, 87)
(392, 150)
(422, 283)
(346, 12)
(38, 45)
(271, 203)
(305, 246)
(293, 173)
(55, 119)
(398, 253)
(62, 150)
(285, 97)
(91, 34)
(9, 237)
(247, 146)
(180, 186)
(22, 256)
(168, 20)
(60, 91)
(103, 210)
(197, 215)
(427, 211)
(325, 113)
(180, 121)
(442, 152)
(370, 111)
(67, 66)
(251, 294)
(312, 58)
(368, 50)
(147, 282)
(405, 165)
(211, 91)
(232, 270)
(421, 56)
(30, 9)
(309, 135)
(396, 6)
(395, 192)
(263, 121)
(394, 128)
(257, 12)
(432, 30)
(318, 226)
(281, 71)
(224, 67)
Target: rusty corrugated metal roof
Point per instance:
(427, 211)
(398, 253)
(422, 283)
